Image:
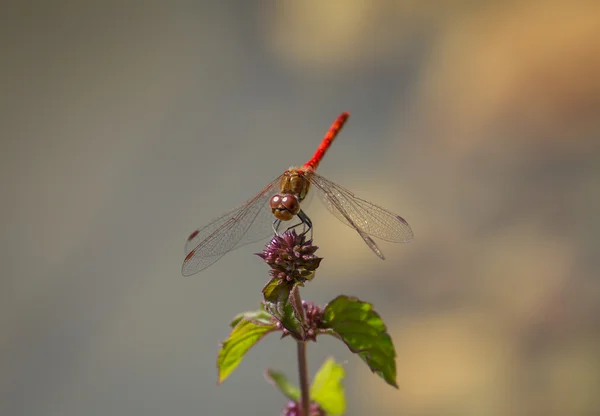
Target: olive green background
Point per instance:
(125, 125)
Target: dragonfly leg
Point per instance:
(307, 223)
(276, 225)
(291, 227)
(304, 222)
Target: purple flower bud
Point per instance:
(291, 257)
(314, 318)
(294, 409)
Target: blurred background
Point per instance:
(126, 125)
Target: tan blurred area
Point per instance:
(125, 126)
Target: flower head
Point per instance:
(314, 318)
(293, 409)
(291, 257)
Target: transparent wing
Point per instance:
(250, 222)
(366, 218)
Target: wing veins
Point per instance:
(359, 213)
(213, 246)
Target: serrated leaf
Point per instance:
(327, 388)
(280, 381)
(279, 303)
(243, 337)
(362, 330)
(260, 316)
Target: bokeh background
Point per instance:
(125, 125)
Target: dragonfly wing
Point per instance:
(250, 222)
(366, 218)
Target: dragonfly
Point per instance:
(279, 201)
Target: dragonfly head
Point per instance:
(284, 206)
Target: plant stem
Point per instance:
(303, 371)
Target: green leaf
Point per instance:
(280, 381)
(279, 302)
(260, 317)
(365, 334)
(244, 335)
(327, 388)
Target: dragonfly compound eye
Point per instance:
(284, 207)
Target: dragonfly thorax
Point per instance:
(296, 182)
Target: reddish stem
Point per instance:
(304, 384)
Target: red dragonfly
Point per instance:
(280, 200)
